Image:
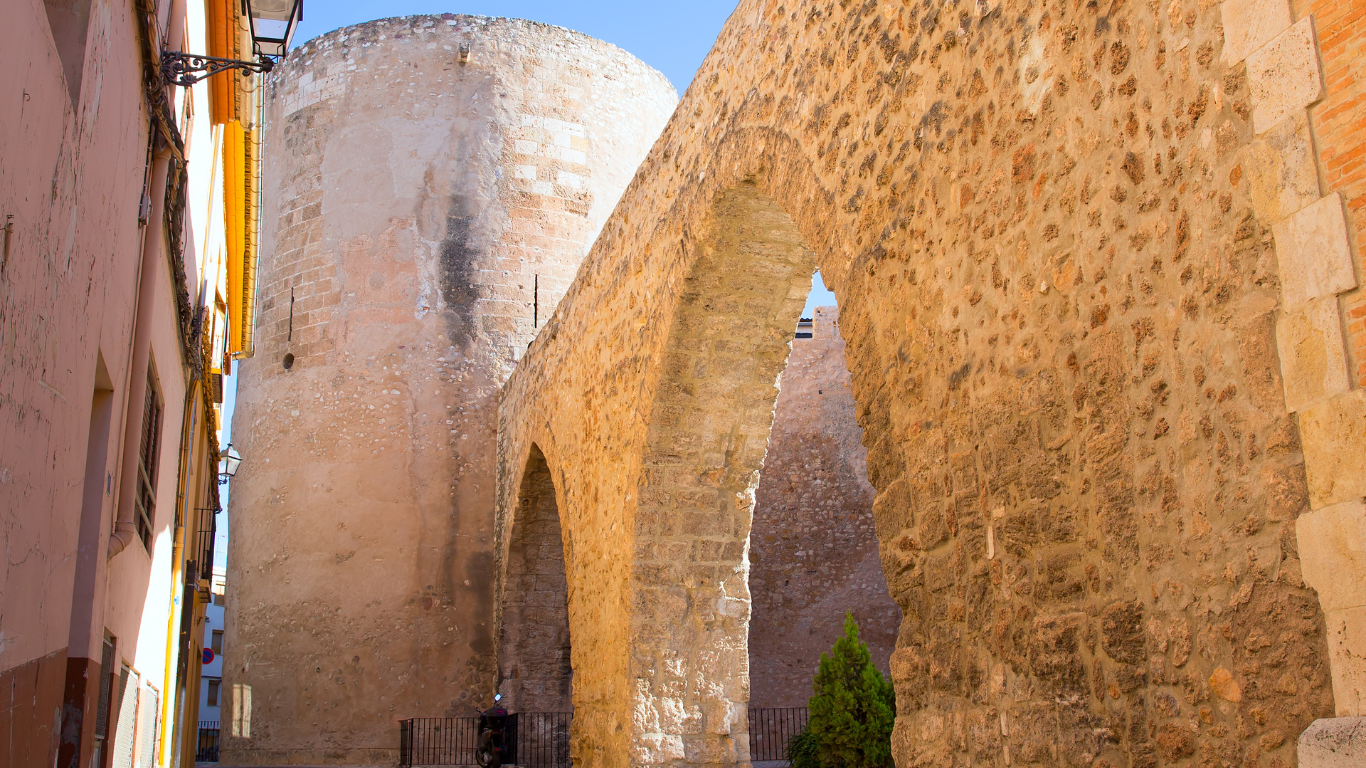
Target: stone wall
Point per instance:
(1075, 286)
(812, 547)
(431, 185)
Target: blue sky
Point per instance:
(671, 37)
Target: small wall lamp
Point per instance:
(273, 23)
(229, 460)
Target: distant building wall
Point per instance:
(431, 185)
(813, 551)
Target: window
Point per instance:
(150, 728)
(217, 642)
(214, 685)
(102, 705)
(145, 500)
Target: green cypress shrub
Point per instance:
(852, 711)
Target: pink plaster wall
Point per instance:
(71, 177)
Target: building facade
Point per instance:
(124, 294)
(432, 183)
(211, 671)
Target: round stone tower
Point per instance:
(431, 185)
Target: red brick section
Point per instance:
(1340, 130)
(1356, 333)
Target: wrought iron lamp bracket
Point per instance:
(186, 69)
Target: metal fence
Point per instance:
(769, 730)
(543, 739)
(438, 741)
(540, 740)
(207, 749)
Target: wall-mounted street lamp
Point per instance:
(273, 23)
(228, 462)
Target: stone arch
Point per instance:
(705, 445)
(1062, 319)
(534, 664)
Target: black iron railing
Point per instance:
(207, 750)
(438, 741)
(541, 740)
(770, 728)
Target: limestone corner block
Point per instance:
(1338, 742)
(1333, 435)
(1347, 656)
(1332, 548)
(1314, 255)
(1285, 75)
(1250, 24)
(1313, 358)
(1282, 176)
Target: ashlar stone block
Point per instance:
(1333, 437)
(1332, 547)
(1313, 357)
(1250, 24)
(1334, 742)
(1314, 255)
(1282, 177)
(1285, 75)
(1347, 656)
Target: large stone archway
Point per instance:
(1059, 234)
(534, 650)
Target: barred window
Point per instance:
(145, 500)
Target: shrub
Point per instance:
(852, 711)
(803, 751)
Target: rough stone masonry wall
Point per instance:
(813, 549)
(1080, 342)
(432, 183)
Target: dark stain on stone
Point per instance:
(456, 267)
(956, 378)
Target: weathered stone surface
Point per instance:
(1314, 255)
(1250, 24)
(1285, 75)
(1312, 355)
(1334, 438)
(1281, 169)
(1059, 303)
(422, 216)
(1347, 648)
(1338, 742)
(1332, 546)
(1223, 684)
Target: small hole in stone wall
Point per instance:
(289, 360)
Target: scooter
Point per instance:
(493, 745)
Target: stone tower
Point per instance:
(431, 185)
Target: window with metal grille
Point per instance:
(145, 500)
(149, 730)
(102, 705)
(127, 720)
